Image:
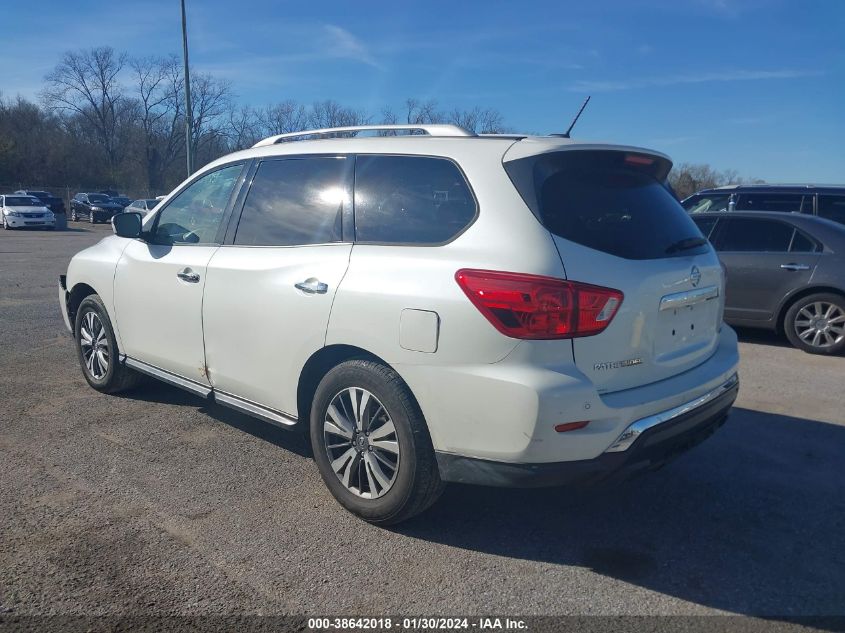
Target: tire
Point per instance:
(413, 484)
(73, 216)
(91, 218)
(816, 323)
(6, 226)
(90, 317)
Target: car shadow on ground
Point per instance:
(749, 522)
(761, 337)
(288, 439)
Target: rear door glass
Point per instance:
(786, 202)
(832, 208)
(705, 225)
(753, 235)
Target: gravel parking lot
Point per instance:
(159, 502)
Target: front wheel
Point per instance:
(91, 218)
(816, 323)
(371, 443)
(6, 226)
(96, 347)
(73, 216)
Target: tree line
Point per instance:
(106, 119)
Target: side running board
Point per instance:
(248, 407)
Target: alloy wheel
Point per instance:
(361, 443)
(820, 324)
(95, 345)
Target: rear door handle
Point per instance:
(312, 286)
(188, 275)
(795, 267)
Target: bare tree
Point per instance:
(154, 106)
(284, 117)
(421, 112)
(210, 100)
(243, 127)
(85, 83)
(687, 178)
(331, 114)
(483, 121)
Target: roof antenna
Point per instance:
(575, 120)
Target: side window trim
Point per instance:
(818, 247)
(460, 169)
(346, 236)
(226, 212)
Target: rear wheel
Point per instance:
(371, 443)
(816, 323)
(96, 347)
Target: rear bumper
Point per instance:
(645, 445)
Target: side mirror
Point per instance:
(126, 224)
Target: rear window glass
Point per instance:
(410, 200)
(598, 200)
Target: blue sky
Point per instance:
(754, 85)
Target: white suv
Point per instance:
(427, 304)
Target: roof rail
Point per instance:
(430, 130)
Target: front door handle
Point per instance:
(188, 275)
(312, 286)
(795, 267)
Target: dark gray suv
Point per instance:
(785, 272)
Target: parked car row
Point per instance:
(101, 206)
(783, 248)
(824, 201)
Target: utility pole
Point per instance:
(188, 117)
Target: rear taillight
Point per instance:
(535, 307)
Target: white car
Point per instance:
(142, 206)
(25, 212)
(429, 307)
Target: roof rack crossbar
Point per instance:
(440, 129)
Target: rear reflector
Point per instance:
(534, 307)
(570, 426)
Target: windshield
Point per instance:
(98, 197)
(22, 201)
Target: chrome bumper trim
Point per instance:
(688, 297)
(635, 429)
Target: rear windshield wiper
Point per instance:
(685, 244)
